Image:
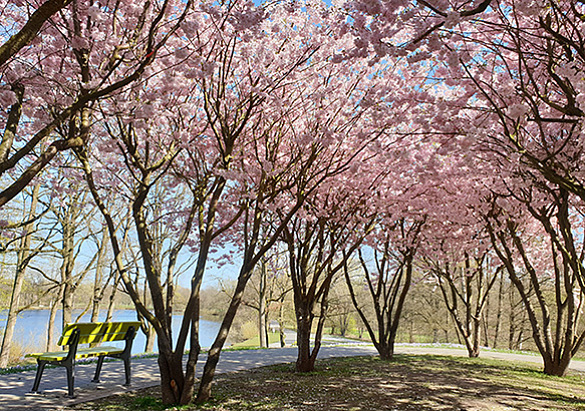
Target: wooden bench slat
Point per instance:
(56, 355)
(81, 353)
(96, 351)
(90, 333)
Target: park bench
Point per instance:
(93, 334)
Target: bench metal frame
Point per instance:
(72, 341)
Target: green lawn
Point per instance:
(410, 382)
(255, 342)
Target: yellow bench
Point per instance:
(88, 333)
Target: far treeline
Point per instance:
(406, 170)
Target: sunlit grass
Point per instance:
(255, 341)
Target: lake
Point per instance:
(31, 328)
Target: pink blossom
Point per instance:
(517, 111)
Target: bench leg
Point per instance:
(40, 369)
(70, 380)
(127, 371)
(98, 368)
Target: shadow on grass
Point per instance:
(409, 382)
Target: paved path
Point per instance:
(14, 388)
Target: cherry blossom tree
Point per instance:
(535, 237)
(228, 122)
(147, 162)
(82, 53)
(306, 139)
(31, 28)
(531, 87)
(520, 60)
(398, 28)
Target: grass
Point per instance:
(462, 347)
(410, 382)
(255, 341)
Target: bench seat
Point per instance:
(81, 353)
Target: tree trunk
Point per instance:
(474, 353)
(386, 351)
(112, 301)
(512, 331)
(150, 335)
(304, 322)
(471, 343)
(11, 319)
(171, 376)
(281, 323)
(391, 343)
(51, 325)
(67, 302)
(304, 310)
(204, 392)
(98, 287)
(95, 309)
(557, 368)
(12, 313)
(447, 325)
(66, 275)
(262, 329)
(499, 310)
(10, 322)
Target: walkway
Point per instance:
(14, 388)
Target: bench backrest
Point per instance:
(90, 333)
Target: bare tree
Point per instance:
(268, 287)
(24, 256)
